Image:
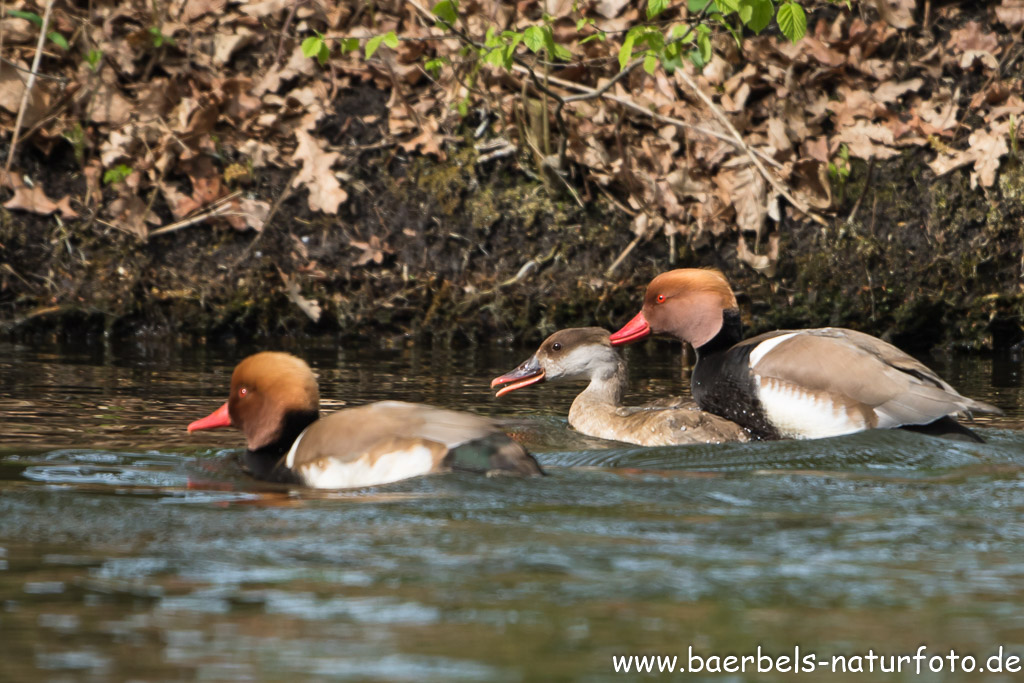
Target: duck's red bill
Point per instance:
(529, 372)
(216, 419)
(637, 328)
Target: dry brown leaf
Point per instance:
(746, 189)
(93, 191)
(868, 140)
(298, 65)
(180, 203)
(823, 54)
(311, 307)
(897, 13)
(1014, 105)
(854, 104)
(262, 9)
(1011, 13)
(373, 250)
(973, 37)
(810, 182)
(129, 215)
(989, 147)
(762, 263)
(778, 139)
(937, 115)
(225, 45)
(818, 149)
(12, 91)
(18, 31)
(108, 105)
(951, 160)
(34, 200)
(609, 9)
(253, 214)
(325, 193)
(194, 9)
(891, 91)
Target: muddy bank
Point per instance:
(466, 251)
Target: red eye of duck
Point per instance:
(660, 298)
(242, 392)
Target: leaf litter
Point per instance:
(186, 91)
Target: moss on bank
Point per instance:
(461, 250)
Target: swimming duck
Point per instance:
(586, 353)
(275, 402)
(801, 384)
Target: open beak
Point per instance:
(529, 372)
(216, 419)
(637, 328)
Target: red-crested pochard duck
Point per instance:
(274, 400)
(801, 384)
(586, 353)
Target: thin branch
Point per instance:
(219, 208)
(610, 270)
(630, 104)
(28, 86)
(284, 29)
(285, 193)
(14, 65)
(867, 185)
(592, 94)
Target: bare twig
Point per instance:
(28, 86)
(217, 208)
(284, 29)
(3, 13)
(629, 104)
(595, 93)
(625, 252)
(14, 65)
(867, 184)
(266, 221)
(615, 202)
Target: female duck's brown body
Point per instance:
(586, 353)
(274, 400)
(794, 383)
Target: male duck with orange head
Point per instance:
(801, 384)
(275, 402)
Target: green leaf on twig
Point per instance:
(792, 21)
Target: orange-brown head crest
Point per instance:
(688, 303)
(267, 386)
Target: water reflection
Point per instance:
(130, 550)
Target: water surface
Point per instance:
(131, 550)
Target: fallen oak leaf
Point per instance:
(248, 213)
(34, 200)
(325, 192)
(762, 263)
(12, 89)
(891, 91)
(1011, 13)
(194, 9)
(950, 161)
(989, 148)
(311, 307)
(374, 250)
(129, 215)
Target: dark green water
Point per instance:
(130, 550)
